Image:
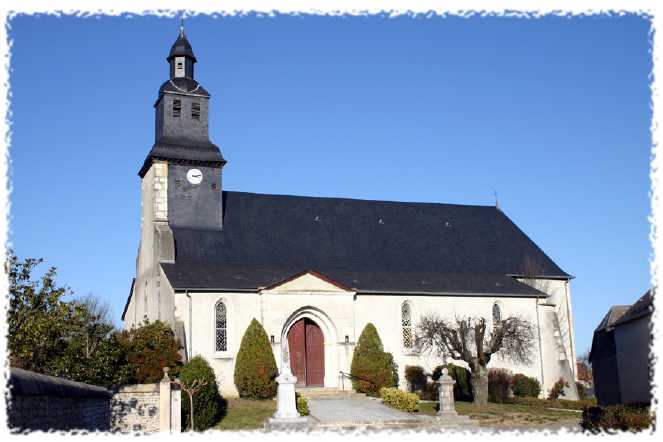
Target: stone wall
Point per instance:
(136, 408)
(146, 408)
(40, 402)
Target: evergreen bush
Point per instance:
(255, 366)
(525, 386)
(499, 383)
(372, 368)
(416, 377)
(206, 401)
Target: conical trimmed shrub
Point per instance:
(372, 368)
(255, 367)
(206, 401)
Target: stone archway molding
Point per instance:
(316, 315)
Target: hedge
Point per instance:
(400, 399)
(616, 417)
(206, 402)
(255, 366)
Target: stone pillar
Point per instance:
(447, 415)
(286, 415)
(446, 395)
(164, 402)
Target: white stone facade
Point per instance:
(341, 314)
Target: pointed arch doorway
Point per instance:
(307, 353)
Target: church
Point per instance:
(316, 271)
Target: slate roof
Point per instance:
(615, 312)
(641, 308)
(183, 152)
(182, 85)
(370, 246)
(181, 47)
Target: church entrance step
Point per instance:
(328, 393)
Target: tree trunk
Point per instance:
(191, 410)
(479, 384)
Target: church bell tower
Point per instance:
(182, 145)
(180, 186)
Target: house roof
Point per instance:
(642, 307)
(379, 246)
(615, 312)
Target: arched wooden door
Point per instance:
(307, 353)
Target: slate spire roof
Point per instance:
(181, 47)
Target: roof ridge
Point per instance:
(278, 195)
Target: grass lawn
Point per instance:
(508, 415)
(245, 414)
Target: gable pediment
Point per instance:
(309, 281)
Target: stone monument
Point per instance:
(286, 416)
(447, 415)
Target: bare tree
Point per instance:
(468, 339)
(191, 390)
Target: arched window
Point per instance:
(220, 326)
(406, 324)
(497, 313)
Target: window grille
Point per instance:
(195, 110)
(406, 323)
(497, 314)
(177, 108)
(221, 329)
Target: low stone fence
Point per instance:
(147, 408)
(40, 402)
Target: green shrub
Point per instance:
(463, 378)
(430, 392)
(394, 370)
(525, 386)
(372, 368)
(255, 367)
(400, 399)
(206, 401)
(499, 383)
(558, 389)
(582, 391)
(148, 349)
(416, 377)
(616, 417)
(559, 403)
(302, 404)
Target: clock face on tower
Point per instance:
(194, 176)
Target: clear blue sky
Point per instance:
(552, 113)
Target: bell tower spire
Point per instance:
(181, 58)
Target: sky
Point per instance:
(552, 114)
